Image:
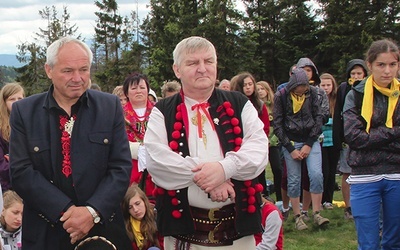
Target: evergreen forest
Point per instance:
(265, 38)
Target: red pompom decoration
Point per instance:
(247, 183)
(178, 125)
(160, 191)
(251, 191)
(178, 108)
(178, 116)
(227, 105)
(173, 145)
(251, 200)
(155, 192)
(234, 121)
(259, 187)
(230, 112)
(171, 192)
(175, 201)
(176, 214)
(236, 148)
(237, 130)
(176, 134)
(238, 141)
(251, 209)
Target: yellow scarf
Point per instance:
(297, 102)
(351, 81)
(135, 224)
(368, 100)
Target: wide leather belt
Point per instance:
(213, 227)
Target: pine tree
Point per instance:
(32, 75)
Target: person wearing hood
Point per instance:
(153, 96)
(356, 71)
(298, 118)
(314, 80)
(371, 116)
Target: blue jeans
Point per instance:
(366, 203)
(314, 167)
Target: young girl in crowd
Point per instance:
(267, 96)
(245, 83)
(11, 221)
(330, 155)
(356, 71)
(298, 119)
(140, 222)
(372, 130)
(10, 93)
(119, 91)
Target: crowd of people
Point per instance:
(84, 169)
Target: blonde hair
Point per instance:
(118, 91)
(333, 94)
(269, 99)
(8, 90)
(10, 197)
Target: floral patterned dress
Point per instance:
(136, 127)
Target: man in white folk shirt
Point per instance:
(205, 149)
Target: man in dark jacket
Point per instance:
(70, 159)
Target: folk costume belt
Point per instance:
(213, 227)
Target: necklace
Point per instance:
(195, 121)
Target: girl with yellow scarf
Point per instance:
(371, 116)
(140, 220)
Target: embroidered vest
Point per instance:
(173, 210)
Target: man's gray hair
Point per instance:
(190, 45)
(54, 48)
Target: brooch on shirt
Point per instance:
(69, 125)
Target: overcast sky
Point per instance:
(20, 19)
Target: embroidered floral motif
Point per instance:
(136, 125)
(66, 127)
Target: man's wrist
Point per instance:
(95, 215)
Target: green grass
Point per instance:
(338, 234)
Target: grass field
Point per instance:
(338, 234)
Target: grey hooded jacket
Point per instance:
(303, 126)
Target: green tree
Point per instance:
(222, 26)
(33, 54)
(350, 26)
(171, 21)
(117, 52)
(167, 23)
(282, 31)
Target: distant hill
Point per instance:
(9, 60)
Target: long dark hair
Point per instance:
(237, 83)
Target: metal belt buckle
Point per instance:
(211, 234)
(211, 215)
